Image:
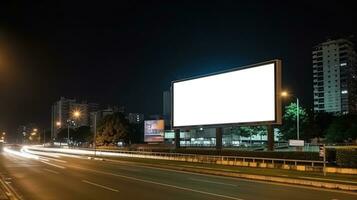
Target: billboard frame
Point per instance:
(277, 89)
(157, 135)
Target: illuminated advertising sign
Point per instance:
(154, 130)
(247, 95)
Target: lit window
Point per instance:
(344, 92)
(343, 64)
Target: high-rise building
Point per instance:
(135, 118)
(64, 109)
(101, 113)
(334, 77)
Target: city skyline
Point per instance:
(106, 58)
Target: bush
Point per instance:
(346, 157)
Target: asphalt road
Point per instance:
(63, 177)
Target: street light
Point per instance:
(76, 114)
(286, 94)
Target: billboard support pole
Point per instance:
(270, 138)
(177, 138)
(219, 138)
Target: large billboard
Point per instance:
(246, 95)
(154, 130)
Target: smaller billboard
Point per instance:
(154, 131)
(296, 143)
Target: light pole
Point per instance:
(285, 94)
(44, 137)
(76, 115)
(58, 124)
(297, 119)
(95, 134)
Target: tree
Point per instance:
(136, 133)
(112, 129)
(288, 128)
(342, 129)
(317, 124)
(62, 135)
(82, 134)
(249, 131)
(77, 135)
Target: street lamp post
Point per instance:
(58, 124)
(68, 124)
(297, 119)
(95, 134)
(76, 115)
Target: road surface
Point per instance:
(57, 176)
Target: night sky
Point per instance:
(128, 52)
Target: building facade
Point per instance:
(334, 77)
(63, 110)
(135, 118)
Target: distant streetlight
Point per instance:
(3, 133)
(35, 130)
(286, 94)
(58, 123)
(76, 114)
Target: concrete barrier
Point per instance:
(287, 167)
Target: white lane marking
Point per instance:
(215, 182)
(52, 171)
(58, 166)
(164, 184)
(101, 186)
(326, 179)
(57, 160)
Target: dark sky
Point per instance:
(128, 52)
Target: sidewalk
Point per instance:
(316, 179)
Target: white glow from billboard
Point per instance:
(241, 96)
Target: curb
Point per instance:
(302, 182)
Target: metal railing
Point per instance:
(230, 160)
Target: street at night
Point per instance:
(181, 100)
(66, 177)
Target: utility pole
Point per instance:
(297, 119)
(44, 137)
(68, 123)
(95, 134)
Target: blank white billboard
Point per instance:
(240, 96)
